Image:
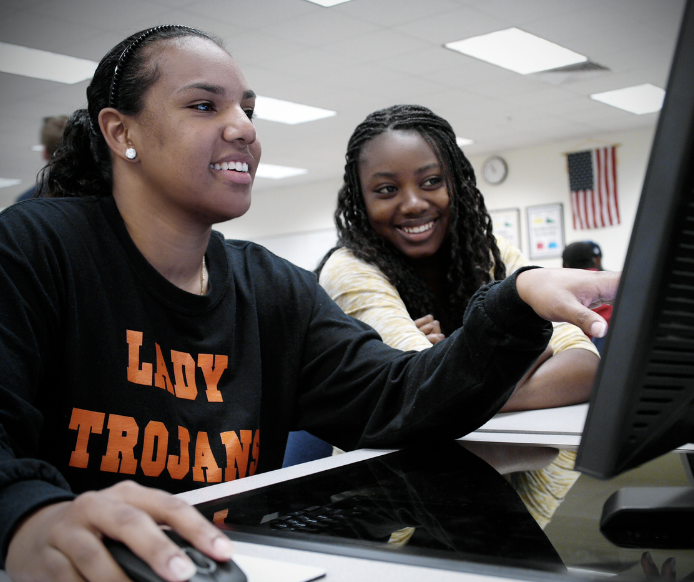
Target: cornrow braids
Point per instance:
(470, 247)
(130, 50)
(81, 166)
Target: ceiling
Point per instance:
(355, 58)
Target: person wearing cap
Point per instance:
(587, 255)
(582, 255)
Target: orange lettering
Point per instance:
(204, 459)
(213, 374)
(122, 438)
(255, 453)
(155, 432)
(219, 517)
(85, 422)
(237, 453)
(178, 466)
(136, 374)
(161, 376)
(184, 373)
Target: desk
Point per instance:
(572, 531)
(552, 427)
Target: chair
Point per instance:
(303, 447)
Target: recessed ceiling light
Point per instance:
(29, 62)
(516, 50)
(463, 141)
(288, 112)
(277, 172)
(640, 99)
(5, 182)
(328, 3)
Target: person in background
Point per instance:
(588, 255)
(415, 242)
(51, 137)
(582, 255)
(142, 354)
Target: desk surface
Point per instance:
(557, 427)
(573, 531)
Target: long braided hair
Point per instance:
(471, 250)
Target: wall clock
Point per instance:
(495, 170)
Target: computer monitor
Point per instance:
(642, 404)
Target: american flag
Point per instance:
(593, 184)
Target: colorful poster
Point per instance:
(506, 223)
(546, 231)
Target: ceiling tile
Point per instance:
(123, 14)
(382, 43)
(321, 28)
(391, 13)
(358, 57)
(253, 14)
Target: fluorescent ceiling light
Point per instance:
(517, 50)
(277, 172)
(328, 3)
(5, 182)
(21, 60)
(287, 112)
(37, 148)
(639, 99)
(463, 141)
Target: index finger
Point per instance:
(133, 518)
(189, 523)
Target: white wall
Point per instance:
(540, 176)
(297, 222)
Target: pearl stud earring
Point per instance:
(130, 153)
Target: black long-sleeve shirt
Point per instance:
(110, 372)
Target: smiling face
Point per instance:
(405, 192)
(197, 150)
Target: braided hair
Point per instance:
(471, 250)
(81, 166)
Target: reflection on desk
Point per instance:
(573, 532)
(573, 535)
(440, 505)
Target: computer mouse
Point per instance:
(208, 570)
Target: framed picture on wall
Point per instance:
(546, 231)
(506, 223)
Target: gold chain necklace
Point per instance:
(202, 277)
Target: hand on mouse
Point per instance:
(62, 541)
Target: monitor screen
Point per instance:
(642, 401)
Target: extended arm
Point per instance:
(365, 293)
(441, 392)
(556, 380)
(564, 374)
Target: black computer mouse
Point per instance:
(209, 570)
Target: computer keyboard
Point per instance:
(353, 517)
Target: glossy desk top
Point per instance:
(573, 533)
(447, 510)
